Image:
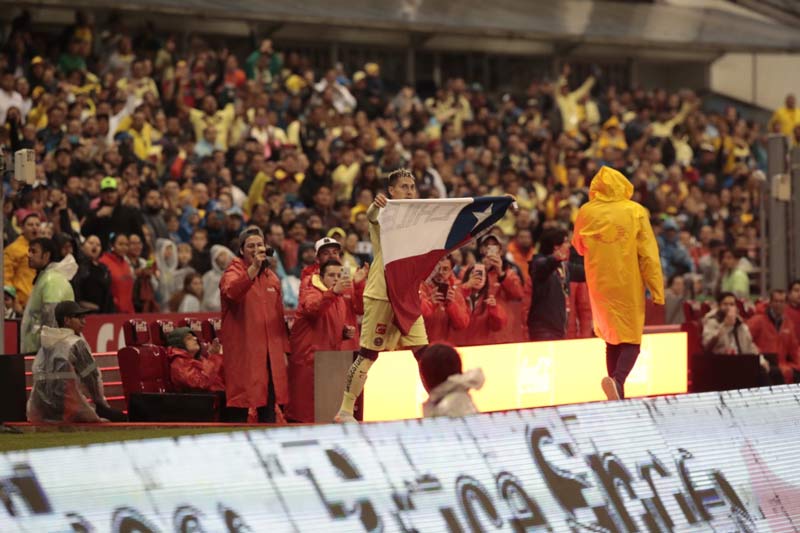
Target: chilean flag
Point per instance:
(416, 234)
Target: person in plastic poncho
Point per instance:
(51, 287)
(65, 374)
(621, 256)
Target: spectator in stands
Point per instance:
(522, 251)
(253, 333)
(112, 216)
(191, 368)
(17, 273)
(221, 257)
(551, 274)
(443, 306)
(731, 277)
(448, 387)
(325, 320)
(792, 310)
(153, 211)
(503, 284)
(53, 275)
(145, 284)
(115, 260)
(326, 249)
(724, 331)
(488, 316)
(774, 334)
(188, 300)
(10, 304)
(709, 267)
(675, 298)
(93, 281)
(65, 374)
(786, 118)
(675, 259)
(201, 254)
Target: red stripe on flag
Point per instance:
(403, 278)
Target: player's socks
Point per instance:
(353, 386)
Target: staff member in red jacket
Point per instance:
(121, 272)
(253, 333)
(773, 333)
(325, 320)
(443, 306)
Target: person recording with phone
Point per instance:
(551, 274)
(326, 319)
(489, 287)
(253, 333)
(444, 309)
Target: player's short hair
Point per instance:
(395, 175)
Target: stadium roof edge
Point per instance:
(655, 26)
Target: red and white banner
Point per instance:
(416, 234)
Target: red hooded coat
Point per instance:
(252, 330)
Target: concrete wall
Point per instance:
(761, 79)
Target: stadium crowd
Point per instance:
(152, 158)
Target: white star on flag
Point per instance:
(482, 215)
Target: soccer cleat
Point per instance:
(610, 388)
(343, 417)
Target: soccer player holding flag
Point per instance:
(409, 237)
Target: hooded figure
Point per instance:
(52, 286)
(170, 276)
(63, 366)
(614, 236)
(221, 257)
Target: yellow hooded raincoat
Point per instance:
(613, 234)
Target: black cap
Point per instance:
(69, 309)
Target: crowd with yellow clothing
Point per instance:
(202, 147)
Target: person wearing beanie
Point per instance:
(191, 368)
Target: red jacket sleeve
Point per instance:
(234, 283)
(512, 285)
(457, 311)
(426, 303)
(497, 317)
(315, 302)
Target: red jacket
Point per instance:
(188, 373)
(252, 330)
(319, 326)
(770, 340)
(443, 320)
(793, 314)
(121, 281)
(489, 325)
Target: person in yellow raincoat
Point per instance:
(621, 258)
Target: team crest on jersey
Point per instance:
(380, 329)
(378, 342)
